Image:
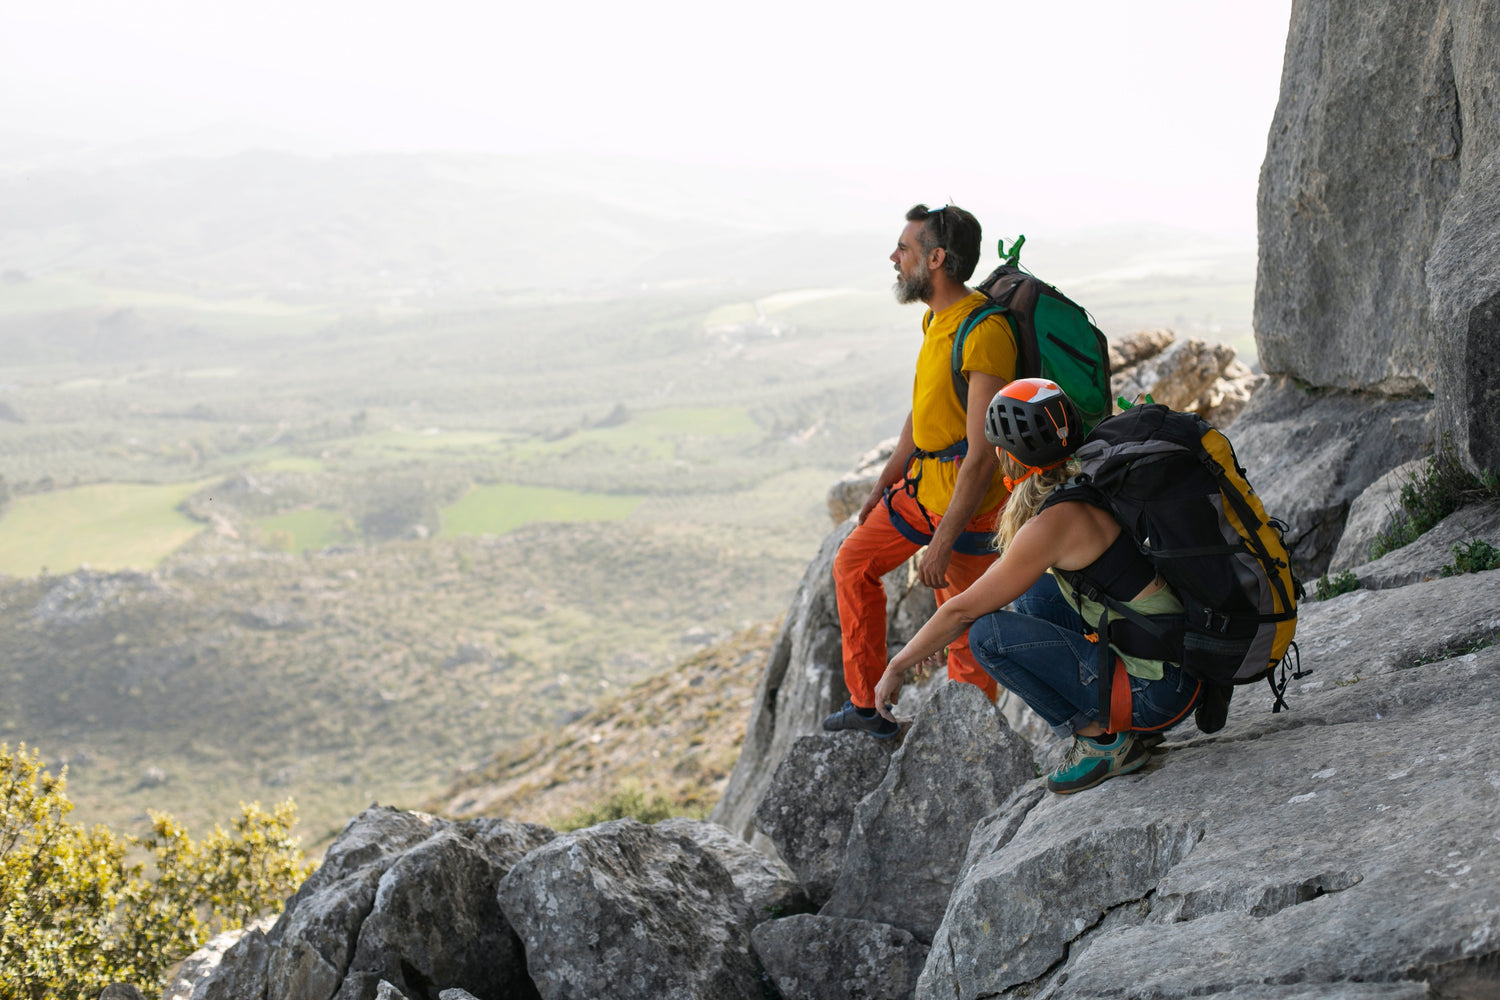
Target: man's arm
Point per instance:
(894, 469)
(975, 473)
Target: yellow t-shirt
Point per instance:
(937, 418)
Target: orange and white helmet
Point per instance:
(1035, 422)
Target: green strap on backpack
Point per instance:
(1055, 337)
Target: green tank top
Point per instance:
(1163, 602)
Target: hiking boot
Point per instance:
(850, 717)
(1089, 762)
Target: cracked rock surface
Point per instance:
(1347, 847)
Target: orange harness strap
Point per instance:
(1120, 713)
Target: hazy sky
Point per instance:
(1097, 111)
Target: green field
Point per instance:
(502, 507)
(300, 530)
(109, 526)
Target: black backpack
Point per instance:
(1055, 337)
(1177, 489)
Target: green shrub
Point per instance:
(1440, 489)
(1474, 556)
(1340, 584)
(78, 913)
(627, 803)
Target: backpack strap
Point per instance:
(977, 316)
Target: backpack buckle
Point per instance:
(1215, 622)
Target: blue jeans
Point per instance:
(1039, 651)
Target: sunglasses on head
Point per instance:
(941, 226)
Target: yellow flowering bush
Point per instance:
(78, 911)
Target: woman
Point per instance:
(1043, 650)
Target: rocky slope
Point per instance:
(1344, 848)
(673, 737)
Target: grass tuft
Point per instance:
(1342, 583)
(1439, 490)
(627, 803)
(1474, 556)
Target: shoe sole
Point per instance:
(1128, 767)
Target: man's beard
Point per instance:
(911, 288)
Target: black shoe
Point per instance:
(849, 717)
(1213, 707)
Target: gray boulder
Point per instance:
(624, 910)
(1379, 216)
(1463, 276)
(435, 923)
(121, 991)
(1194, 375)
(804, 677)
(1344, 842)
(1365, 151)
(1425, 558)
(313, 942)
(1372, 513)
(809, 806)
(1310, 454)
(239, 974)
(959, 762)
(835, 958)
(849, 493)
(229, 964)
(200, 965)
(1133, 348)
(766, 884)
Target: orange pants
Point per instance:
(873, 550)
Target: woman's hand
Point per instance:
(889, 688)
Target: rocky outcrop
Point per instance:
(1463, 276)
(818, 958)
(809, 806)
(1424, 558)
(958, 762)
(1373, 513)
(1377, 208)
(624, 910)
(1193, 375)
(1311, 453)
(401, 897)
(804, 678)
(1218, 870)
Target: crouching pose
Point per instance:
(1043, 650)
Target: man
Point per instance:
(943, 479)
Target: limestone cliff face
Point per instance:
(1376, 189)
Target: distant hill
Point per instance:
(434, 227)
(673, 736)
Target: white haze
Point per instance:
(1066, 114)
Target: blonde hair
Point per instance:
(1028, 496)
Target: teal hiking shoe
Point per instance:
(1090, 761)
(850, 717)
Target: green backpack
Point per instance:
(1055, 338)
